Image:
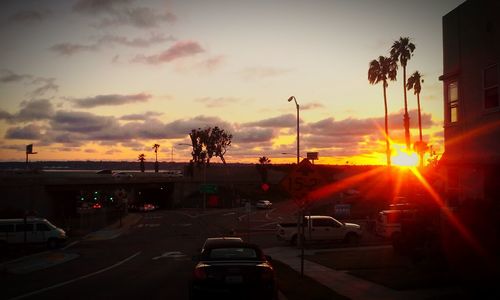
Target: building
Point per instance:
(471, 84)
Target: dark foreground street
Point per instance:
(150, 257)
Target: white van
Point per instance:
(34, 230)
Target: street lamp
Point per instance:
(298, 131)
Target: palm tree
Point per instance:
(142, 158)
(262, 167)
(414, 83)
(402, 51)
(380, 71)
(156, 146)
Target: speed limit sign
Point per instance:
(301, 181)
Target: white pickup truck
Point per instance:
(320, 228)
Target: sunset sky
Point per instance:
(105, 80)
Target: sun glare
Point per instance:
(403, 158)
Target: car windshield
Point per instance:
(232, 253)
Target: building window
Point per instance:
(490, 80)
(452, 101)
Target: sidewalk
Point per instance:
(350, 286)
(114, 230)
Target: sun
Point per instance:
(403, 158)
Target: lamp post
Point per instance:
(298, 130)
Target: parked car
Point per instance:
(320, 228)
(34, 230)
(264, 204)
(122, 175)
(388, 222)
(233, 270)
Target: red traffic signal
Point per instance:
(264, 187)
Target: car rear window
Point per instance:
(232, 253)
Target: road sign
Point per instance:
(208, 188)
(302, 180)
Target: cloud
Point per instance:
(102, 100)
(99, 6)
(35, 110)
(283, 121)
(110, 40)
(120, 12)
(28, 132)
(70, 49)
(182, 127)
(217, 102)
(7, 76)
(47, 84)
(309, 106)
(178, 50)
(81, 122)
(44, 84)
(254, 135)
(4, 115)
(212, 63)
(263, 72)
(353, 126)
(29, 16)
(139, 117)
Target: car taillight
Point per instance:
(267, 273)
(200, 273)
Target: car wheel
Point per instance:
(352, 238)
(52, 243)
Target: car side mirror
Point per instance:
(269, 257)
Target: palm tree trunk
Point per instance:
(387, 144)
(421, 153)
(419, 117)
(406, 118)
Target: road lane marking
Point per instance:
(267, 213)
(171, 254)
(76, 279)
(182, 224)
(70, 245)
(266, 224)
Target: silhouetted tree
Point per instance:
(155, 147)
(414, 83)
(262, 167)
(402, 51)
(209, 142)
(381, 70)
(142, 158)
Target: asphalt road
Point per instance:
(152, 260)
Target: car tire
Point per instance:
(52, 243)
(351, 238)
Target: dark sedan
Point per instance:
(233, 271)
